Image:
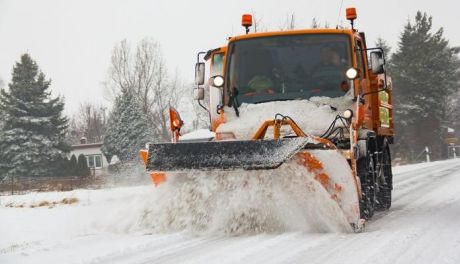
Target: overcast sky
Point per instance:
(72, 40)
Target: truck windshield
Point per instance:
(289, 67)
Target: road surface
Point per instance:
(423, 226)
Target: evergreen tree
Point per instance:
(72, 166)
(381, 43)
(60, 167)
(32, 138)
(425, 74)
(82, 166)
(128, 129)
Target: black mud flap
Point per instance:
(226, 155)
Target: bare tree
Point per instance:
(144, 73)
(289, 23)
(257, 23)
(90, 122)
(316, 24)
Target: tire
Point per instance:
(366, 172)
(385, 190)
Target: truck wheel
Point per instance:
(384, 194)
(365, 170)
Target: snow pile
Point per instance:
(313, 116)
(238, 202)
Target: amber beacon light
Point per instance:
(351, 15)
(246, 21)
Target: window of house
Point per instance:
(98, 161)
(94, 161)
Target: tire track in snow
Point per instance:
(406, 186)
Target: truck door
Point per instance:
(215, 94)
(363, 84)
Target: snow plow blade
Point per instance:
(226, 155)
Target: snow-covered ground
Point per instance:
(104, 226)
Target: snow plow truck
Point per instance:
(316, 98)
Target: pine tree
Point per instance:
(381, 43)
(128, 129)
(82, 166)
(73, 167)
(425, 74)
(32, 138)
(60, 168)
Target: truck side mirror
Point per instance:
(199, 73)
(198, 93)
(377, 62)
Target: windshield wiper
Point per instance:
(272, 100)
(333, 108)
(234, 100)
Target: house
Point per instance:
(94, 157)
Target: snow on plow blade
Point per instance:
(226, 155)
(322, 169)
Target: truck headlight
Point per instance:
(218, 81)
(351, 73)
(348, 114)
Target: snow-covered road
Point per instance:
(423, 226)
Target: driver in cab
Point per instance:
(328, 74)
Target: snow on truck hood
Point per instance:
(198, 134)
(313, 116)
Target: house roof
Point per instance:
(86, 146)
